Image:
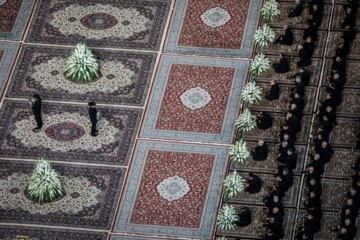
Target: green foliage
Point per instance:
(82, 64)
(45, 184)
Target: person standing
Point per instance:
(93, 118)
(36, 108)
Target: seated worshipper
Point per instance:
(297, 10)
(274, 202)
(314, 186)
(317, 16)
(293, 121)
(253, 185)
(286, 129)
(317, 163)
(283, 185)
(275, 226)
(350, 19)
(286, 39)
(321, 130)
(296, 111)
(319, 3)
(270, 235)
(274, 92)
(283, 147)
(283, 65)
(303, 56)
(331, 115)
(318, 139)
(353, 4)
(263, 120)
(329, 101)
(289, 140)
(325, 152)
(315, 211)
(299, 87)
(298, 100)
(313, 222)
(309, 46)
(347, 214)
(349, 226)
(335, 90)
(344, 235)
(352, 206)
(339, 63)
(337, 80)
(275, 213)
(310, 31)
(354, 195)
(244, 215)
(349, 34)
(313, 200)
(305, 76)
(260, 153)
(342, 49)
(326, 123)
(311, 173)
(305, 233)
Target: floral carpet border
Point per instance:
(21, 21)
(148, 128)
(176, 25)
(131, 191)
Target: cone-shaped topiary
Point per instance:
(45, 184)
(82, 64)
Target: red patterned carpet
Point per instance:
(169, 92)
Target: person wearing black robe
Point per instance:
(263, 120)
(274, 92)
(313, 222)
(93, 118)
(318, 163)
(296, 111)
(353, 4)
(349, 34)
(350, 19)
(326, 152)
(317, 16)
(344, 235)
(305, 76)
(270, 235)
(36, 108)
(293, 121)
(354, 195)
(309, 46)
(298, 100)
(331, 115)
(315, 211)
(315, 186)
(328, 126)
(276, 227)
(286, 129)
(283, 147)
(291, 158)
(274, 202)
(286, 39)
(283, 65)
(260, 153)
(275, 213)
(352, 206)
(347, 214)
(312, 173)
(339, 63)
(329, 101)
(299, 87)
(253, 184)
(313, 200)
(244, 217)
(297, 10)
(319, 3)
(337, 80)
(341, 50)
(335, 90)
(303, 56)
(310, 31)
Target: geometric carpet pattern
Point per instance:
(7, 56)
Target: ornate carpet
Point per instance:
(65, 135)
(178, 192)
(89, 199)
(124, 79)
(352, 73)
(126, 24)
(220, 28)
(186, 84)
(14, 16)
(7, 55)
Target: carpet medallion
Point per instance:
(178, 191)
(14, 15)
(65, 135)
(9, 233)
(89, 200)
(194, 99)
(221, 28)
(125, 24)
(124, 77)
(7, 55)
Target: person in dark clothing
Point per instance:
(274, 202)
(331, 115)
(270, 235)
(293, 121)
(319, 3)
(329, 101)
(283, 147)
(305, 76)
(354, 195)
(318, 142)
(312, 173)
(36, 108)
(244, 217)
(260, 153)
(283, 65)
(321, 130)
(337, 80)
(286, 129)
(326, 152)
(317, 163)
(352, 206)
(93, 118)
(297, 10)
(315, 211)
(350, 19)
(313, 200)
(313, 222)
(298, 100)
(342, 49)
(274, 92)
(263, 120)
(299, 87)
(296, 111)
(328, 126)
(349, 34)
(339, 63)
(347, 214)
(309, 46)
(335, 90)
(276, 227)
(303, 56)
(253, 184)
(286, 39)
(344, 235)
(317, 16)
(352, 4)
(315, 186)
(305, 233)
(310, 31)
(275, 213)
